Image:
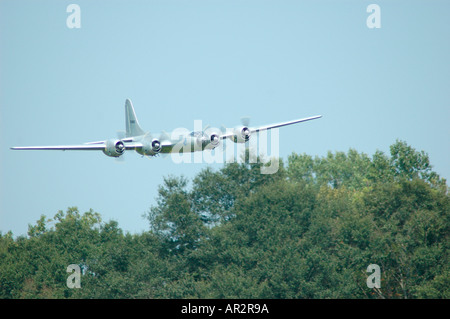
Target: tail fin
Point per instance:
(131, 122)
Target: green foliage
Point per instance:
(308, 231)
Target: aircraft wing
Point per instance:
(84, 147)
(125, 140)
(271, 126)
(94, 146)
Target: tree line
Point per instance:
(308, 231)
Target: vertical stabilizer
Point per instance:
(131, 122)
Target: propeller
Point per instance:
(223, 129)
(120, 135)
(212, 135)
(163, 137)
(245, 121)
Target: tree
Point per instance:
(308, 231)
(173, 219)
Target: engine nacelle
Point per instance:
(156, 145)
(114, 148)
(152, 148)
(214, 140)
(241, 134)
(209, 141)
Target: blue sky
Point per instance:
(214, 61)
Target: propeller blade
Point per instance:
(245, 121)
(120, 135)
(223, 129)
(148, 136)
(164, 136)
(120, 159)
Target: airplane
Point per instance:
(146, 144)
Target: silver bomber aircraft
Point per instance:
(146, 144)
